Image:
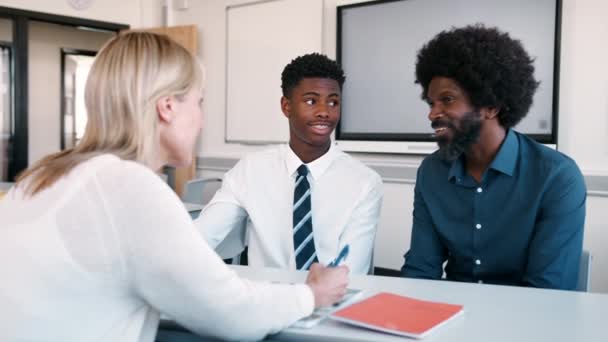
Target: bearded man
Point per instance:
(496, 205)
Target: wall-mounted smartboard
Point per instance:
(261, 38)
(377, 43)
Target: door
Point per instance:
(47, 44)
(187, 36)
(6, 99)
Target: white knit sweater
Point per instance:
(100, 253)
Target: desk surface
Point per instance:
(491, 312)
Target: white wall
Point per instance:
(135, 13)
(46, 41)
(583, 120)
(583, 123)
(117, 11)
(210, 18)
(44, 55)
(6, 30)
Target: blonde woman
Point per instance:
(93, 245)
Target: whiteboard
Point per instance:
(261, 38)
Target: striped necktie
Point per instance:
(303, 241)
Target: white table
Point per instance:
(492, 313)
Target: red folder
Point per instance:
(398, 315)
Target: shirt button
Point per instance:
(477, 262)
(479, 189)
(478, 226)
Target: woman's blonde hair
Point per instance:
(129, 75)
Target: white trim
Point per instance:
(406, 147)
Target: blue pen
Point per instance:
(342, 256)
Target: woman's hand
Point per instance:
(328, 284)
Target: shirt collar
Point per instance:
(506, 158)
(504, 162)
(457, 169)
(316, 167)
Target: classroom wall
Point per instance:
(118, 11)
(6, 30)
(583, 123)
(135, 13)
(45, 44)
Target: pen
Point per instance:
(343, 254)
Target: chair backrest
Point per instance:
(234, 243)
(371, 265)
(4, 187)
(584, 273)
(201, 190)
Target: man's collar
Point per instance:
(504, 162)
(457, 169)
(506, 158)
(316, 167)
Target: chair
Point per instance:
(166, 335)
(169, 331)
(201, 190)
(4, 187)
(386, 272)
(584, 273)
(231, 249)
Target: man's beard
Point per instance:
(463, 136)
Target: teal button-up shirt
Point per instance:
(521, 225)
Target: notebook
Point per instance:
(321, 314)
(398, 315)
